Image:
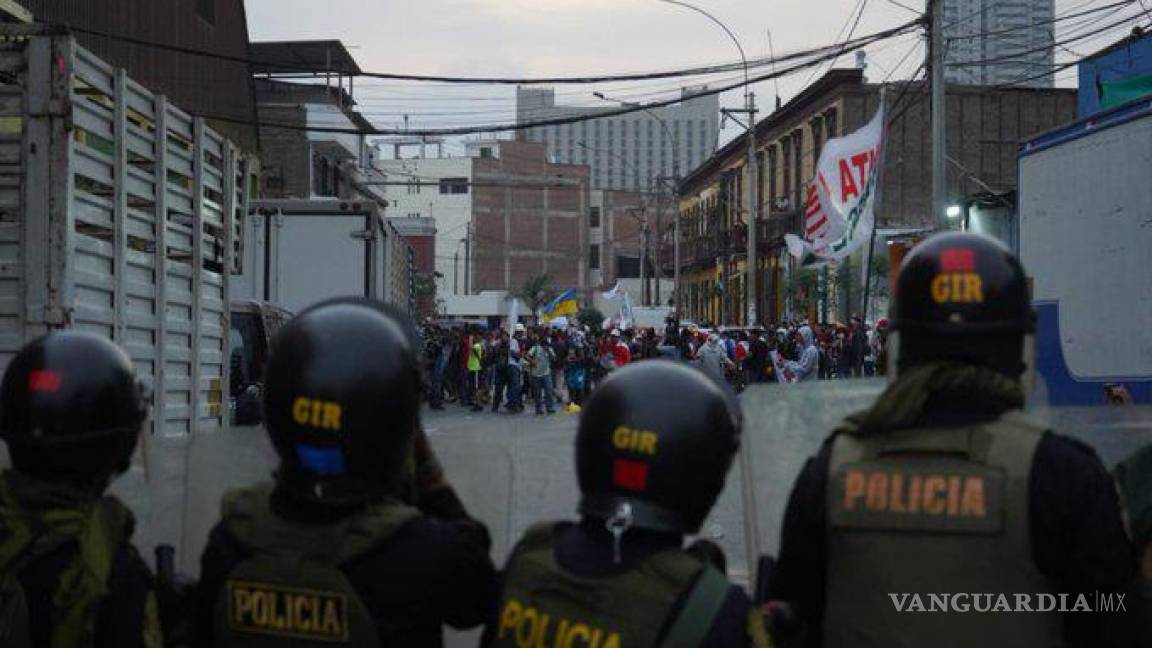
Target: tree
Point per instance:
(590, 317)
(425, 293)
(802, 289)
(535, 292)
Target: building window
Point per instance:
(594, 217)
(627, 267)
(486, 152)
(322, 184)
(594, 257)
(453, 185)
(773, 165)
(206, 9)
(413, 186)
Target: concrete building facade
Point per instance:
(993, 42)
(624, 152)
(503, 214)
(529, 217)
(439, 189)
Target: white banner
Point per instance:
(839, 212)
(783, 376)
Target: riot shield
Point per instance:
(786, 424)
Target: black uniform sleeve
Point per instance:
(801, 567)
(730, 628)
(220, 557)
(122, 613)
(432, 572)
(1078, 539)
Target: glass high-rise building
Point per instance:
(994, 42)
(625, 152)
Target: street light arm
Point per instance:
(709, 16)
(672, 139)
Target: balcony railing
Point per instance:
(706, 248)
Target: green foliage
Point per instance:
(535, 292)
(803, 289)
(590, 317)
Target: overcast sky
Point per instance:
(565, 37)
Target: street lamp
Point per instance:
(953, 211)
(750, 176)
(674, 142)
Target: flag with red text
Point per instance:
(840, 202)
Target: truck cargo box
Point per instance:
(118, 216)
(1086, 242)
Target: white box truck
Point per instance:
(1085, 238)
(300, 252)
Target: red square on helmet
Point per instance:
(958, 260)
(629, 474)
(44, 381)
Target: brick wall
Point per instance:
(529, 217)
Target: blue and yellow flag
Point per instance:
(564, 304)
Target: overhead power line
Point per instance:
(828, 52)
(1056, 19)
(1013, 55)
(638, 76)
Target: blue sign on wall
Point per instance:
(1126, 60)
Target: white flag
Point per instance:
(612, 294)
(839, 212)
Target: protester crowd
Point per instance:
(553, 367)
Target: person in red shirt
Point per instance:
(620, 351)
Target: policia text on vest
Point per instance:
(263, 608)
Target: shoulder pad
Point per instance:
(1073, 442)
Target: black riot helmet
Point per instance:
(342, 400)
(654, 447)
(71, 407)
(962, 296)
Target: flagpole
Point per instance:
(876, 209)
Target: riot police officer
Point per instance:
(654, 445)
(944, 489)
(360, 540)
(71, 410)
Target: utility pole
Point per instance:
(659, 269)
(456, 271)
(644, 287)
(752, 207)
(676, 256)
(468, 260)
(939, 154)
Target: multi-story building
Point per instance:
(984, 129)
(199, 85)
(310, 165)
(437, 188)
(503, 213)
(993, 42)
(619, 242)
(624, 152)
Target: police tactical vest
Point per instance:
(922, 512)
(544, 605)
(291, 592)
